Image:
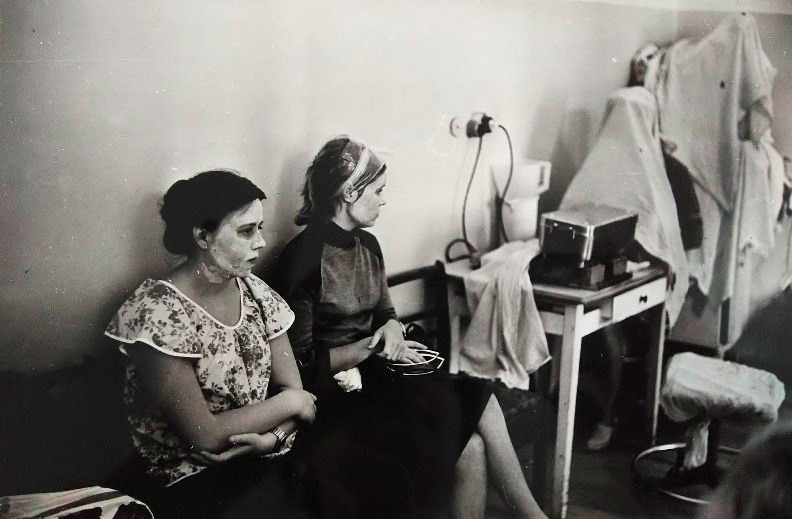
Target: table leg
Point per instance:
(654, 370)
(567, 399)
(457, 307)
(456, 343)
(554, 344)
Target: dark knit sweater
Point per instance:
(334, 281)
(389, 450)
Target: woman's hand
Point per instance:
(248, 443)
(406, 351)
(301, 403)
(211, 458)
(259, 443)
(392, 337)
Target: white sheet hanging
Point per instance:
(625, 169)
(710, 92)
(763, 194)
(704, 88)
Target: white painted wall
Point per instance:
(753, 6)
(105, 104)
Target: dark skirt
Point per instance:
(240, 488)
(389, 451)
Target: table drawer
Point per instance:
(638, 299)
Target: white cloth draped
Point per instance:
(505, 339)
(704, 88)
(625, 169)
(711, 92)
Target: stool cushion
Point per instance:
(698, 386)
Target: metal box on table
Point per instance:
(587, 233)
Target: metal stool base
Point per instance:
(643, 479)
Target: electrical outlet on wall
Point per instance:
(456, 126)
(478, 125)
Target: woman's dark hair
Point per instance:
(203, 201)
(328, 174)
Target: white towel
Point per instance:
(505, 339)
(349, 380)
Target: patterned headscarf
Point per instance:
(342, 167)
(367, 166)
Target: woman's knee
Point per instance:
(473, 456)
(492, 419)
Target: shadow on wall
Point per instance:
(144, 256)
(284, 202)
(576, 135)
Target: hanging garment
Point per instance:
(705, 88)
(713, 94)
(625, 169)
(505, 339)
(763, 169)
(749, 228)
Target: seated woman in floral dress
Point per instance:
(212, 385)
(399, 446)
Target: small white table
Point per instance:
(571, 314)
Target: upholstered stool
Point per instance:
(702, 391)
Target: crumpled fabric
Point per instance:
(625, 169)
(94, 501)
(696, 442)
(349, 380)
(505, 339)
(699, 389)
(698, 386)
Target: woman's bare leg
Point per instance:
(615, 344)
(615, 347)
(504, 467)
(469, 497)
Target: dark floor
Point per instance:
(603, 484)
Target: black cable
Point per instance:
(464, 239)
(501, 198)
(467, 191)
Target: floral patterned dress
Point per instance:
(232, 363)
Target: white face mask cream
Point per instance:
(232, 249)
(213, 273)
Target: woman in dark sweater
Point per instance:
(397, 446)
